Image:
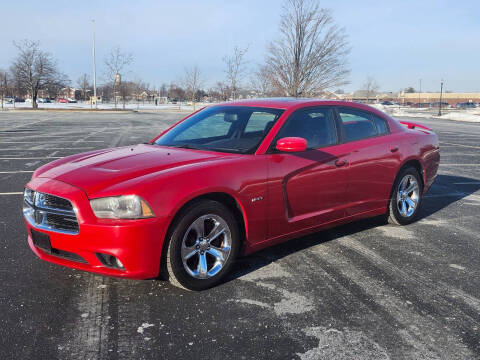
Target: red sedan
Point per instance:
(227, 180)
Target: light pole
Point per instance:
(94, 66)
(440, 103)
(419, 92)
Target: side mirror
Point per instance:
(292, 144)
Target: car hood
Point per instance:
(97, 170)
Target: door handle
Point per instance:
(393, 149)
(339, 163)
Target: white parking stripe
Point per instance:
(16, 172)
(49, 142)
(469, 146)
(441, 164)
(11, 193)
(30, 158)
(71, 148)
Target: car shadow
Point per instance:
(446, 190)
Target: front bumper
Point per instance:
(136, 243)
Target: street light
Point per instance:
(94, 67)
(419, 92)
(440, 103)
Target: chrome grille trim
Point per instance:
(40, 214)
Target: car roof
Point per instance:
(293, 103)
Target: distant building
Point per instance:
(451, 98)
(70, 93)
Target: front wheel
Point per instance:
(406, 197)
(203, 245)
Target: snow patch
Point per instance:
(252, 302)
(143, 327)
(347, 344)
(396, 232)
(292, 303)
(455, 266)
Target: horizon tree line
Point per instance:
(308, 57)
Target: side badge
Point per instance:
(257, 198)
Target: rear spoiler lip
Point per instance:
(415, 126)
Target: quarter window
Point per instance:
(357, 124)
(381, 125)
(317, 126)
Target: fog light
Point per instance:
(118, 263)
(110, 261)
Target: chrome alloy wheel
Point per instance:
(206, 246)
(407, 196)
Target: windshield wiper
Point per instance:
(229, 150)
(186, 146)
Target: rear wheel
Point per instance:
(406, 197)
(202, 247)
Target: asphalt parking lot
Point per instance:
(361, 291)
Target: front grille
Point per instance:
(57, 202)
(50, 212)
(62, 222)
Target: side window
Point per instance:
(357, 124)
(260, 122)
(316, 125)
(381, 124)
(217, 125)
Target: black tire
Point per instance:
(394, 214)
(173, 268)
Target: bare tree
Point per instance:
(222, 89)
(261, 81)
(192, 82)
(310, 55)
(371, 87)
(235, 69)
(115, 63)
(34, 69)
(3, 84)
(83, 82)
(138, 87)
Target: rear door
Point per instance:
(307, 189)
(372, 159)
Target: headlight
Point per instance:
(121, 207)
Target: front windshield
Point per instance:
(235, 129)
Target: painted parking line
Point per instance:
(11, 193)
(459, 164)
(32, 149)
(16, 172)
(49, 142)
(452, 144)
(30, 158)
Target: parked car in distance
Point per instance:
(226, 181)
(420, 105)
(71, 100)
(62, 100)
(465, 105)
(19, 100)
(43, 100)
(437, 104)
(387, 103)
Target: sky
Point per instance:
(395, 42)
